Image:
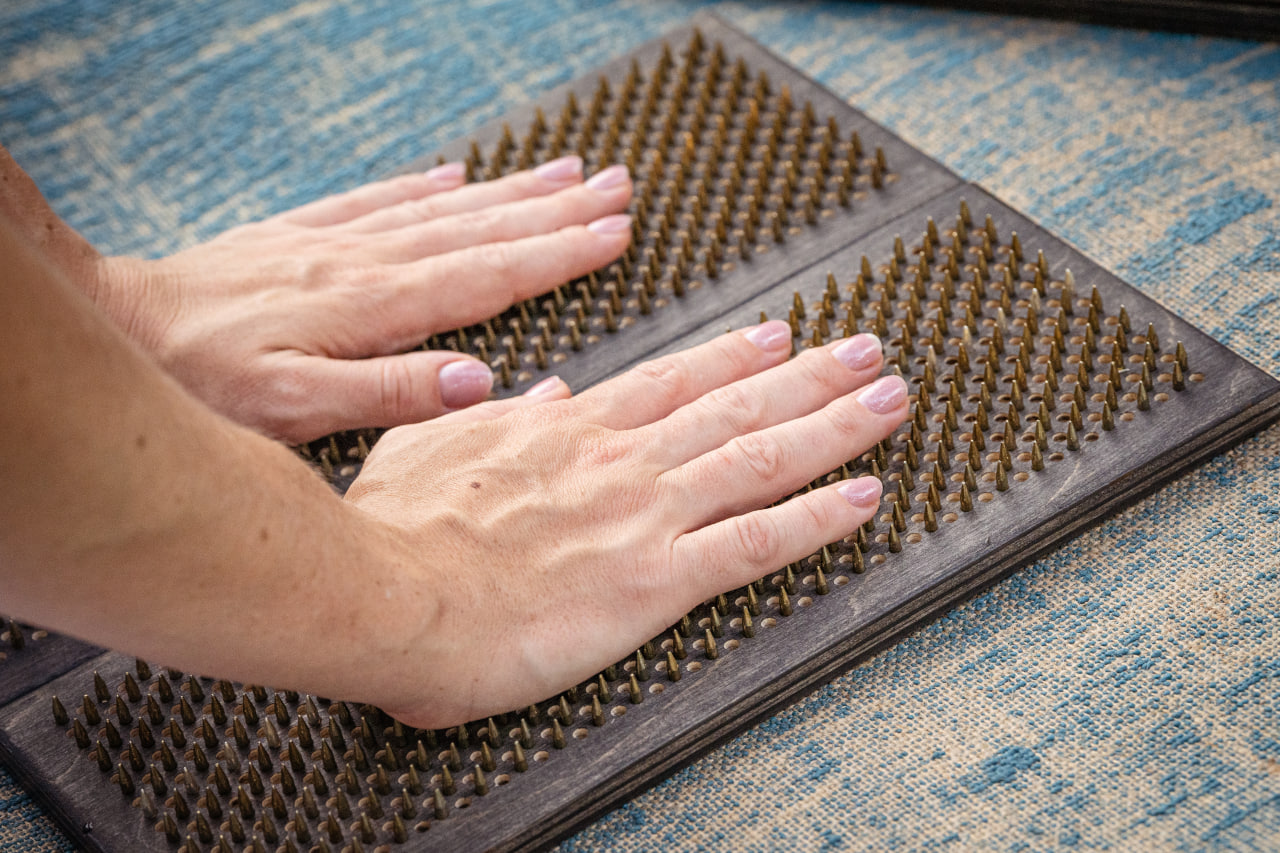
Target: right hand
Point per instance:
(543, 537)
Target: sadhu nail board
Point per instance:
(1046, 393)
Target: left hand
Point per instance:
(297, 326)
(537, 539)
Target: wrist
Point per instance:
(137, 297)
(397, 617)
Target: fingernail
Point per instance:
(448, 173)
(864, 491)
(772, 335)
(615, 224)
(564, 169)
(614, 176)
(884, 395)
(463, 383)
(546, 386)
(858, 352)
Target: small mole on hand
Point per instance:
(475, 485)
(263, 534)
(141, 442)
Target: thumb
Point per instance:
(389, 391)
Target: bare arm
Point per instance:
(135, 517)
(310, 321)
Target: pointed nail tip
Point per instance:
(608, 225)
(770, 335)
(884, 396)
(561, 169)
(863, 492)
(546, 386)
(609, 178)
(447, 172)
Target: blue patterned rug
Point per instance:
(1122, 693)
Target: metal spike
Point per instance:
(1002, 476)
(441, 808)
(710, 648)
(124, 780)
(446, 780)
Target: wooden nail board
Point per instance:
(1047, 393)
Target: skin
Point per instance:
(150, 509)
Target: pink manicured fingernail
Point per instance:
(858, 352)
(547, 385)
(565, 169)
(614, 176)
(448, 173)
(463, 383)
(614, 224)
(773, 335)
(864, 491)
(884, 395)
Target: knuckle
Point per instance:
(483, 220)
(396, 397)
(603, 451)
(422, 209)
(762, 454)
(737, 404)
(499, 258)
(759, 539)
(315, 270)
(669, 377)
(844, 418)
(285, 400)
(815, 516)
(817, 367)
(407, 186)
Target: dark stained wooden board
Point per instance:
(44, 757)
(827, 634)
(917, 178)
(44, 656)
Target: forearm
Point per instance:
(135, 517)
(119, 287)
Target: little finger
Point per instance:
(606, 193)
(547, 178)
(740, 549)
(347, 206)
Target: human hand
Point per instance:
(297, 326)
(543, 538)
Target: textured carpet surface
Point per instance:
(1122, 693)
